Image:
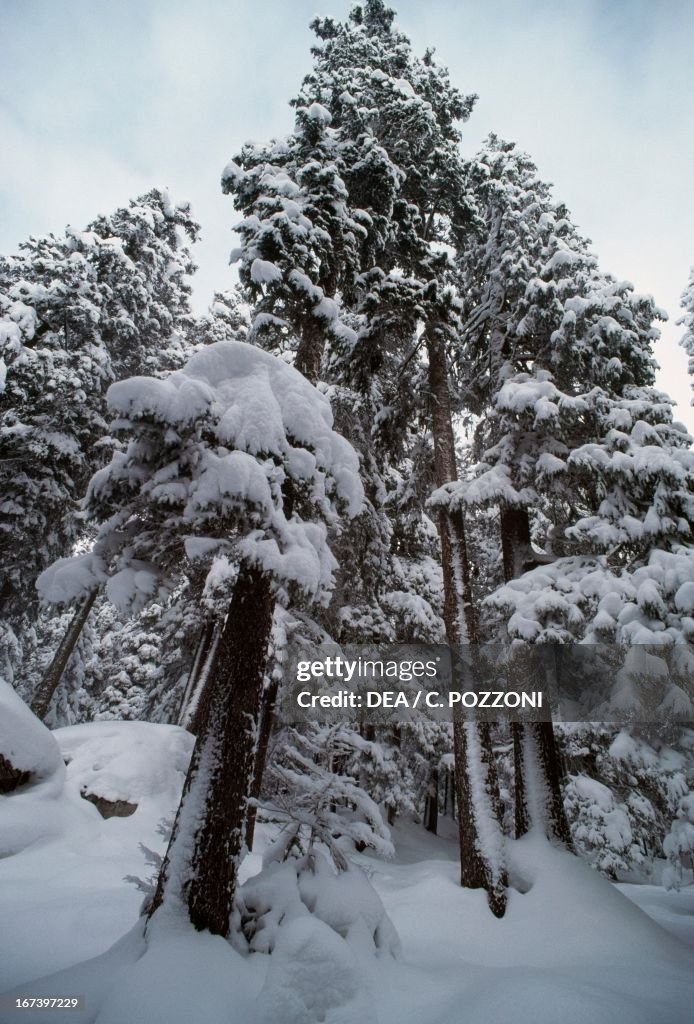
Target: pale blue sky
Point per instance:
(101, 100)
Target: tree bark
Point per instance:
(200, 869)
(309, 354)
(536, 762)
(51, 680)
(267, 716)
(516, 548)
(431, 812)
(476, 785)
(191, 698)
(521, 822)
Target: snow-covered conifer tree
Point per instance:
(382, 127)
(687, 340)
(231, 460)
(578, 433)
(76, 312)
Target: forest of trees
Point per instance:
(423, 413)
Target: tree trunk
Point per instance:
(267, 715)
(51, 680)
(199, 872)
(476, 785)
(309, 354)
(431, 811)
(538, 772)
(521, 805)
(516, 548)
(191, 695)
(536, 762)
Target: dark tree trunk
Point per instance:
(516, 548)
(477, 812)
(538, 771)
(552, 772)
(477, 787)
(267, 715)
(431, 811)
(534, 743)
(200, 868)
(521, 807)
(51, 680)
(309, 354)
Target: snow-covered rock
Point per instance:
(131, 762)
(26, 745)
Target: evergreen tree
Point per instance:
(75, 313)
(559, 361)
(231, 458)
(381, 127)
(687, 340)
(586, 438)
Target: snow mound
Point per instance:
(25, 742)
(313, 976)
(177, 976)
(63, 867)
(349, 904)
(605, 927)
(183, 976)
(345, 901)
(130, 761)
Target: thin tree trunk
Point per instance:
(476, 785)
(200, 869)
(200, 659)
(536, 761)
(51, 680)
(199, 703)
(267, 715)
(521, 822)
(431, 812)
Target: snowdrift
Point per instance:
(571, 947)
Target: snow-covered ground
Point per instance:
(570, 949)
